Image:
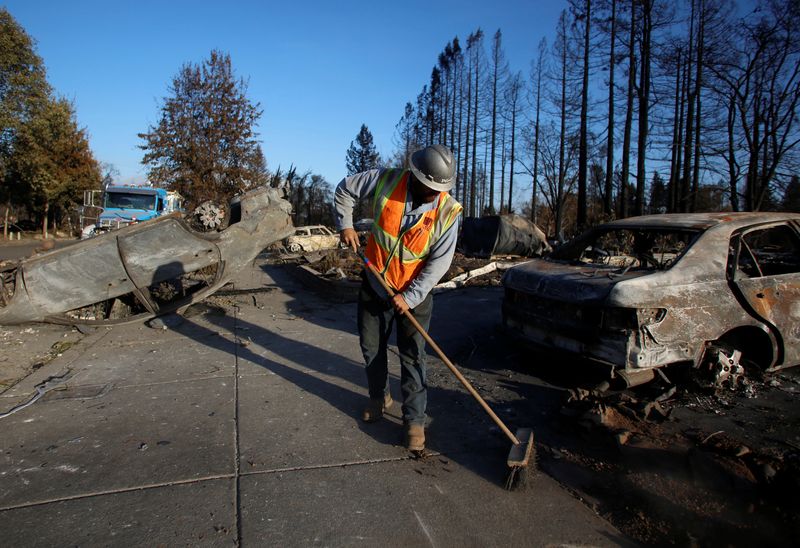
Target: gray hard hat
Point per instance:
(435, 167)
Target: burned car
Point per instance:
(717, 290)
(311, 238)
(142, 270)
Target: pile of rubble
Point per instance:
(343, 265)
(648, 413)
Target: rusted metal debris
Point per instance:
(143, 270)
(593, 405)
(718, 291)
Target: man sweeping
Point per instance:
(411, 243)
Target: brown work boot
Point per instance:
(375, 408)
(415, 437)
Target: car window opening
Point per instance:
(773, 251)
(628, 248)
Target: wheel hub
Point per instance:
(727, 369)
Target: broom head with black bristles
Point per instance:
(519, 459)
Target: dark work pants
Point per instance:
(375, 320)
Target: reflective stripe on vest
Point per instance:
(400, 254)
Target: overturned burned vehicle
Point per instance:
(720, 291)
(142, 270)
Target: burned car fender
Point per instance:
(676, 323)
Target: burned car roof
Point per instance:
(702, 221)
(142, 270)
(650, 291)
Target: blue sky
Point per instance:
(318, 69)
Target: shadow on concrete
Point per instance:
(309, 305)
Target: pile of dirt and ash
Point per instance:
(686, 464)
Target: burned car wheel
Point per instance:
(723, 365)
(209, 216)
(727, 362)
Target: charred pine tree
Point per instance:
(582, 11)
(476, 51)
(626, 138)
(456, 64)
(433, 111)
(698, 83)
(562, 51)
(498, 71)
(503, 150)
(608, 186)
(674, 177)
(514, 88)
(446, 70)
(536, 126)
(730, 157)
(643, 92)
(467, 196)
(688, 140)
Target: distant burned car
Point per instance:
(718, 290)
(142, 270)
(311, 238)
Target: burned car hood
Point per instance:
(566, 281)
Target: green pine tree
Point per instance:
(362, 155)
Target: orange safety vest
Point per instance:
(400, 254)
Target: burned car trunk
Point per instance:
(648, 292)
(142, 270)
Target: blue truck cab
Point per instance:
(123, 205)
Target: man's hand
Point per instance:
(349, 237)
(399, 304)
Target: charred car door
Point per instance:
(764, 271)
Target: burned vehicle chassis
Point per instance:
(142, 270)
(721, 296)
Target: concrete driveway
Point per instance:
(240, 426)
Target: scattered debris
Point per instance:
(51, 383)
(462, 279)
(337, 273)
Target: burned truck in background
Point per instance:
(123, 205)
(719, 290)
(142, 270)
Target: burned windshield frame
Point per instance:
(637, 248)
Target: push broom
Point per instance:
(522, 450)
